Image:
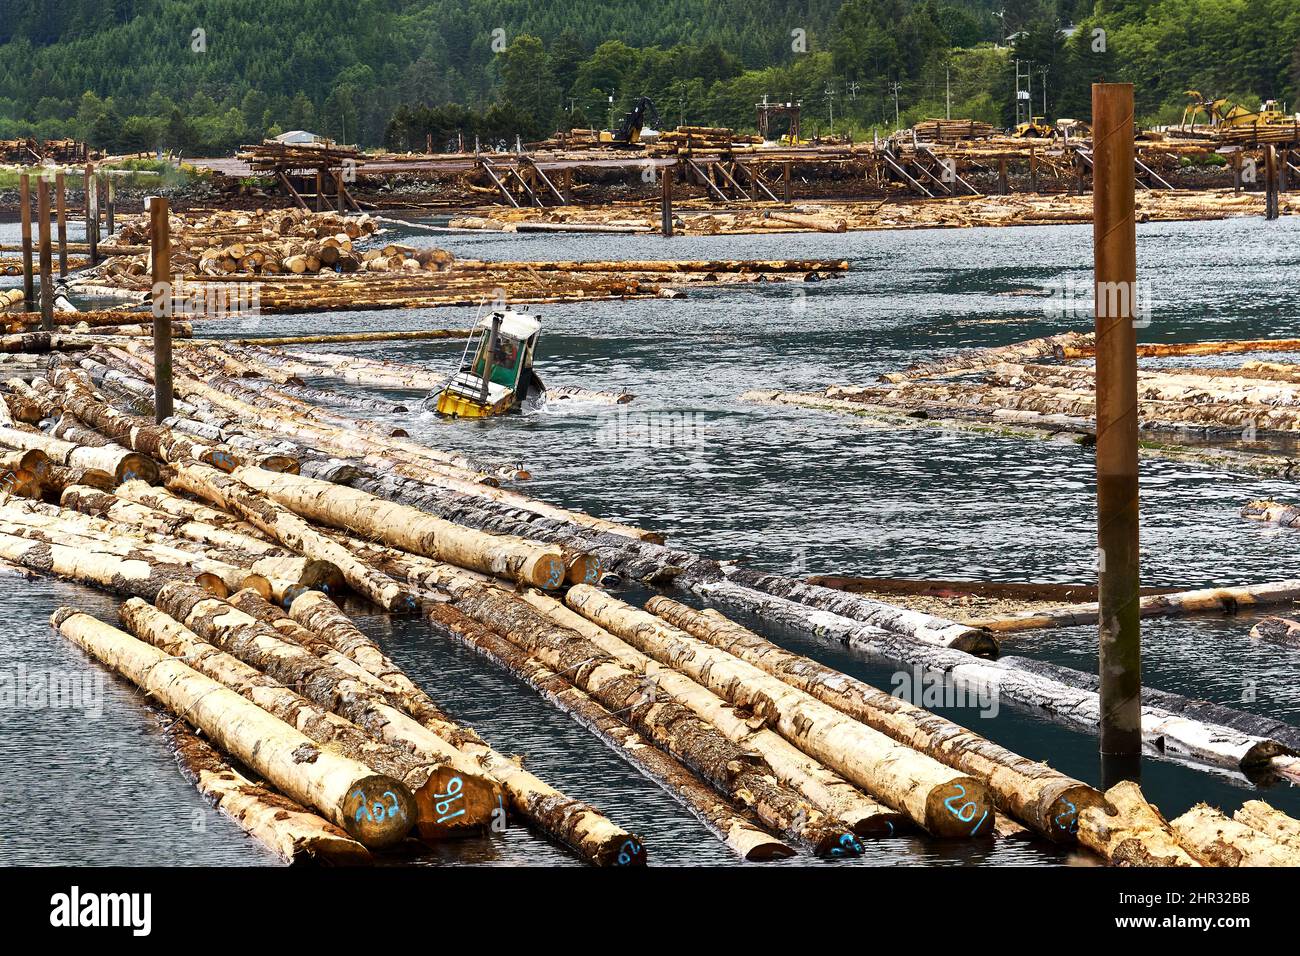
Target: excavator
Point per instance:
(1220, 112)
(629, 133)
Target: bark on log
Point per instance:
(1014, 681)
(822, 787)
(743, 777)
(915, 624)
(409, 529)
(447, 801)
(290, 530)
(376, 810)
(122, 463)
(937, 798)
(1271, 822)
(747, 840)
(1217, 840)
(1032, 792)
(131, 574)
(1052, 345)
(1227, 600)
(1277, 630)
(1128, 831)
(295, 834)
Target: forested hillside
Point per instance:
(205, 75)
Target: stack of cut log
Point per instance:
(951, 132)
(1258, 134)
(688, 140)
(272, 156)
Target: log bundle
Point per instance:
(293, 261)
(235, 526)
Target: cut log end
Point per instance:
(135, 467)
(960, 808)
(452, 804)
(627, 850)
(212, 584)
(379, 811)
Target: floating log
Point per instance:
(936, 798)
(1217, 840)
(746, 839)
(472, 797)
(376, 810)
(1046, 800)
(1277, 630)
(822, 787)
(409, 529)
(1052, 346)
(122, 463)
(1180, 349)
(915, 624)
(1163, 732)
(1271, 822)
(1128, 831)
(1229, 600)
(293, 833)
(289, 529)
(744, 778)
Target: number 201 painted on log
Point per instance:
(961, 813)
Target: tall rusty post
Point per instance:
(92, 215)
(785, 181)
(666, 179)
(61, 211)
(1119, 649)
(25, 208)
(46, 256)
(342, 192)
(320, 190)
(163, 305)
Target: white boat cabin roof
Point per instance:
(517, 325)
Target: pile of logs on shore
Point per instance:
(234, 526)
(951, 131)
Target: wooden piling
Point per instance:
(111, 193)
(343, 208)
(1003, 188)
(667, 180)
(1115, 258)
(92, 215)
(320, 190)
(47, 268)
(1033, 166)
(25, 207)
(61, 210)
(1271, 210)
(163, 300)
(785, 182)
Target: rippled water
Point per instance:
(783, 488)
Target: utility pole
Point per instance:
(1043, 71)
(894, 86)
(947, 91)
(1119, 636)
(830, 101)
(164, 303)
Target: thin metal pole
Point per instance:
(163, 303)
(667, 202)
(25, 207)
(1119, 651)
(47, 264)
(61, 210)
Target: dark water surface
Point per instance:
(779, 487)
